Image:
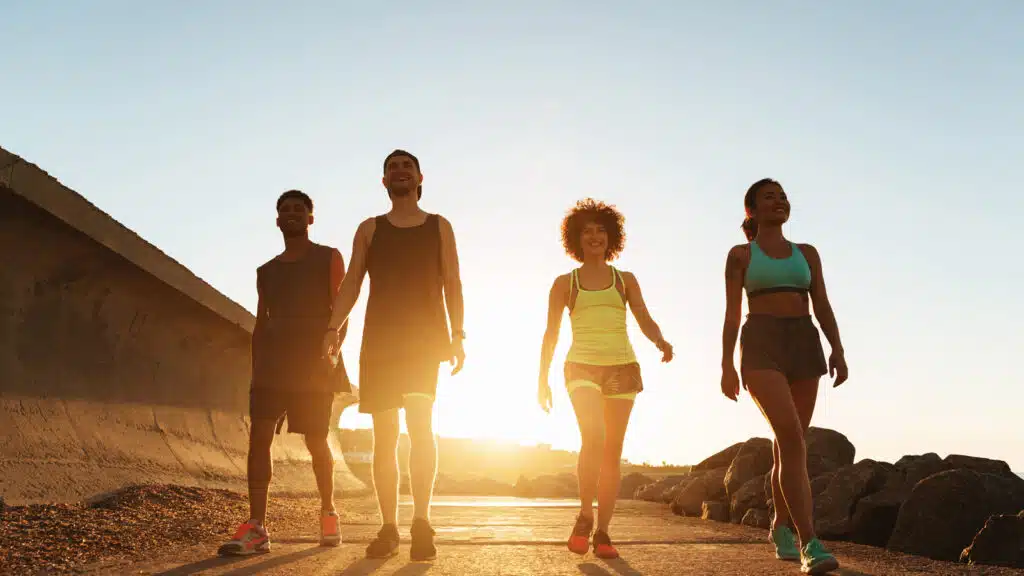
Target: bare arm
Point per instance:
(819, 299)
(558, 300)
(352, 283)
(452, 279)
(635, 298)
(735, 268)
(259, 327)
(337, 275)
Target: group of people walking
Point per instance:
(414, 322)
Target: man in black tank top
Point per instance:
(413, 265)
(291, 377)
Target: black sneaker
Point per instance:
(386, 543)
(422, 548)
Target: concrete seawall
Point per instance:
(117, 364)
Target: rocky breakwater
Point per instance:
(957, 508)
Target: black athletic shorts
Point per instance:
(790, 345)
(307, 412)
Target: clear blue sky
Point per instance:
(896, 127)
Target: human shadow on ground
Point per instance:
(366, 567)
(363, 567)
(188, 569)
(620, 567)
(277, 561)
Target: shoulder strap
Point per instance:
(574, 289)
(620, 284)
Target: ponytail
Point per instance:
(749, 204)
(749, 228)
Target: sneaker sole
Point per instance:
(430, 558)
(331, 543)
(823, 567)
(787, 558)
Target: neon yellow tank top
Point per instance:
(598, 320)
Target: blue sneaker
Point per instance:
(815, 559)
(785, 543)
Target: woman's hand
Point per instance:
(837, 367)
(666, 350)
(544, 396)
(730, 383)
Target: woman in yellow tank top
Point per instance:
(601, 371)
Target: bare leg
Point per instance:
(323, 469)
(770, 391)
(589, 406)
(385, 464)
(260, 467)
(419, 421)
(805, 395)
(616, 418)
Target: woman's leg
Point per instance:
(588, 404)
(616, 419)
(805, 395)
(771, 391)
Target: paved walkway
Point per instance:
(515, 537)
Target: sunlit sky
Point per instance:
(896, 127)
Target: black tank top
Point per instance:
(297, 299)
(405, 313)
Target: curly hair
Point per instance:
(584, 212)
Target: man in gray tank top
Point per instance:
(413, 265)
(292, 380)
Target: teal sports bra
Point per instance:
(766, 275)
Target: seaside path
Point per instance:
(508, 536)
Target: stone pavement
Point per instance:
(502, 536)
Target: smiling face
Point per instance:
(293, 217)
(594, 241)
(402, 176)
(771, 206)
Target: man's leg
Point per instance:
(385, 464)
(323, 469)
(385, 483)
(419, 421)
(260, 467)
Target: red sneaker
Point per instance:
(579, 540)
(250, 538)
(603, 546)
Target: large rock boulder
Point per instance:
(946, 510)
(715, 510)
(750, 496)
(984, 465)
(752, 461)
(999, 543)
(654, 492)
(827, 444)
(630, 482)
(708, 485)
(720, 459)
(917, 467)
(819, 484)
(562, 485)
(833, 509)
(757, 518)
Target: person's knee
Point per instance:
(613, 450)
(790, 440)
(319, 448)
(592, 438)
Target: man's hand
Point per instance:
(837, 367)
(458, 356)
(332, 343)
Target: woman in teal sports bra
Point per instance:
(601, 371)
(781, 358)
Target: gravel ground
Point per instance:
(132, 523)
